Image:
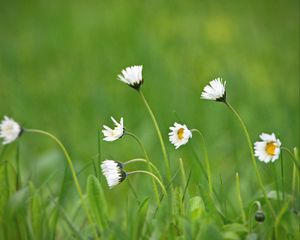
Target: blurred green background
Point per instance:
(59, 62)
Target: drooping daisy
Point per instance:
(215, 90)
(113, 172)
(179, 135)
(268, 149)
(9, 130)
(132, 76)
(113, 134)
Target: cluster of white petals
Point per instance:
(179, 135)
(113, 172)
(215, 90)
(132, 76)
(267, 150)
(9, 130)
(113, 134)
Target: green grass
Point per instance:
(58, 67)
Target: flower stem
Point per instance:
(144, 160)
(238, 192)
(282, 178)
(183, 175)
(152, 175)
(148, 162)
(250, 216)
(253, 158)
(167, 163)
(69, 161)
(294, 157)
(18, 177)
(206, 162)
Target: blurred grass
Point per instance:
(59, 62)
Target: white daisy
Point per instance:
(132, 76)
(113, 134)
(179, 135)
(215, 90)
(268, 149)
(113, 172)
(9, 130)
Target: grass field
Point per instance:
(59, 62)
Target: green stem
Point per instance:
(182, 171)
(144, 160)
(239, 196)
(282, 178)
(206, 162)
(69, 161)
(152, 175)
(279, 217)
(167, 163)
(294, 186)
(294, 157)
(253, 159)
(276, 183)
(148, 162)
(250, 216)
(18, 178)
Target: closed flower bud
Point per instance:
(260, 216)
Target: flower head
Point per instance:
(113, 134)
(268, 149)
(179, 135)
(113, 172)
(9, 130)
(215, 90)
(132, 76)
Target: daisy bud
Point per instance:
(132, 76)
(113, 134)
(179, 135)
(268, 149)
(9, 130)
(215, 91)
(113, 172)
(260, 216)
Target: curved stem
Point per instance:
(152, 175)
(69, 161)
(206, 162)
(167, 163)
(282, 178)
(18, 177)
(148, 162)
(253, 159)
(292, 155)
(144, 160)
(250, 216)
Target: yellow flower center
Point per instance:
(270, 148)
(180, 133)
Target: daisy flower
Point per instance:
(9, 130)
(113, 134)
(268, 149)
(215, 90)
(113, 172)
(179, 135)
(132, 76)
